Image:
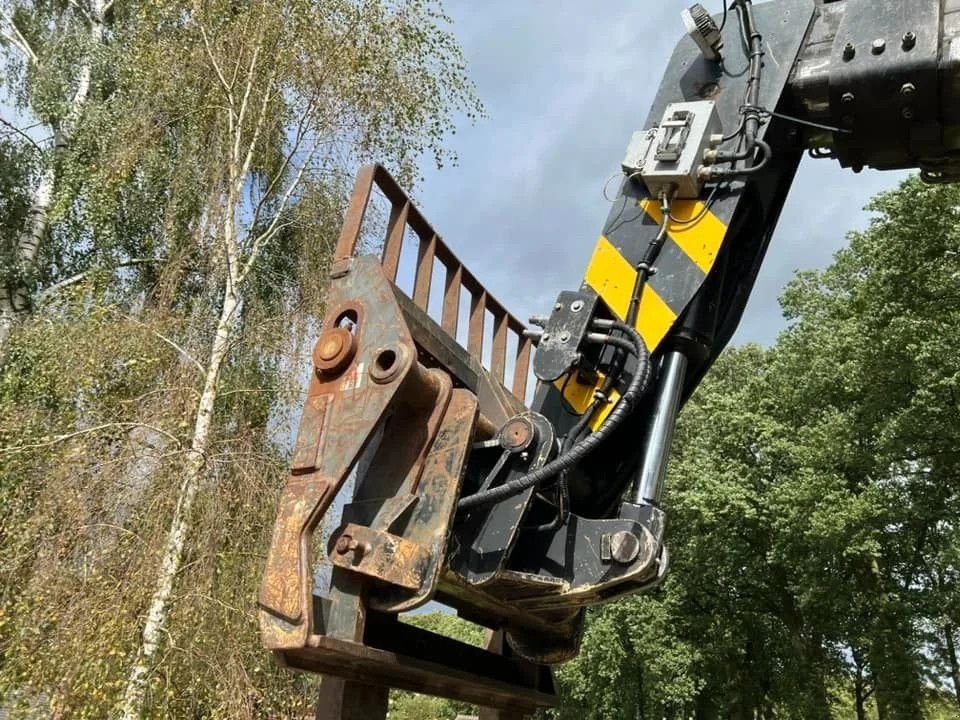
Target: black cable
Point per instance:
(755, 50)
(751, 113)
(638, 383)
(717, 173)
(624, 408)
(645, 266)
(800, 121)
(702, 214)
(723, 23)
(736, 133)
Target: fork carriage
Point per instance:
(385, 368)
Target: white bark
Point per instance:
(161, 601)
(195, 464)
(15, 300)
(245, 123)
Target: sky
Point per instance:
(565, 83)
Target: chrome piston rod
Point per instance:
(656, 445)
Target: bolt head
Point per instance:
(334, 350)
(344, 544)
(577, 306)
(624, 547)
(849, 52)
(909, 41)
(878, 46)
(908, 89)
(558, 307)
(517, 434)
(565, 337)
(907, 113)
(847, 98)
(330, 346)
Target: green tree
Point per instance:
(141, 403)
(53, 55)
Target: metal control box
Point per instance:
(668, 157)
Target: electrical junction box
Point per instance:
(669, 156)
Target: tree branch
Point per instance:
(17, 39)
(275, 225)
(46, 293)
(85, 431)
(21, 133)
(165, 339)
(216, 66)
(82, 10)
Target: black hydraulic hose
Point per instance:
(751, 112)
(566, 461)
(755, 49)
(718, 173)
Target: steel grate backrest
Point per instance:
(432, 250)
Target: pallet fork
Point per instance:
(393, 408)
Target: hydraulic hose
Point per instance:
(566, 461)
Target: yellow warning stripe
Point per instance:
(700, 240)
(613, 278)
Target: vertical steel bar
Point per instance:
(341, 699)
(421, 286)
(478, 307)
(498, 356)
(393, 245)
(353, 221)
(451, 300)
(522, 370)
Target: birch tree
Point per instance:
(291, 96)
(51, 55)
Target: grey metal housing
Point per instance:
(886, 75)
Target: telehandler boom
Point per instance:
(418, 451)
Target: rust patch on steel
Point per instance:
(334, 350)
(340, 412)
(381, 555)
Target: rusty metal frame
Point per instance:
(403, 215)
(381, 356)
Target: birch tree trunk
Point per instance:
(194, 467)
(238, 170)
(15, 297)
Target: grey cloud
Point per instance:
(565, 84)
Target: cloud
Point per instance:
(565, 84)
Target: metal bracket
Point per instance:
(381, 556)
(563, 334)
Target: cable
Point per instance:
(638, 384)
(645, 266)
(800, 121)
(576, 432)
(723, 23)
(751, 114)
(703, 213)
